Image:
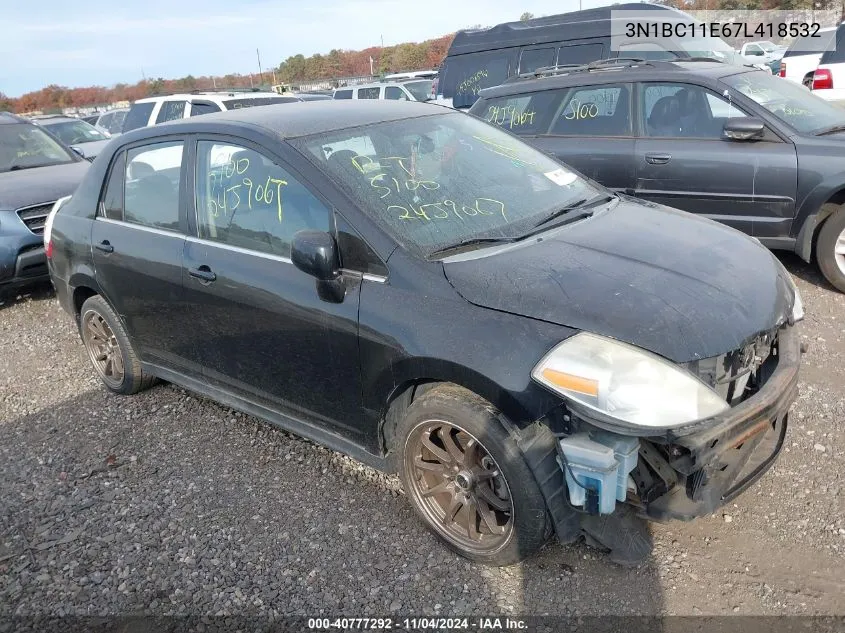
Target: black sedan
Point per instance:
(426, 293)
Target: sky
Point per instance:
(103, 43)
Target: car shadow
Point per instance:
(189, 488)
(38, 291)
(804, 271)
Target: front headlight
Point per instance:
(627, 383)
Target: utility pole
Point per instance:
(260, 73)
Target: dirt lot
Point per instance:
(169, 503)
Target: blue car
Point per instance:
(35, 170)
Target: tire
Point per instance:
(109, 349)
(830, 250)
(481, 479)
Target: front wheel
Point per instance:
(830, 250)
(467, 479)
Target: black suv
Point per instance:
(737, 145)
(418, 289)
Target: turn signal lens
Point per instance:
(571, 382)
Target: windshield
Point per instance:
(420, 89)
(436, 181)
(767, 46)
(790, 102)
(75, 132)
(23, 145)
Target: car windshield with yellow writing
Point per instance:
(439, 180)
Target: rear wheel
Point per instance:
(830, 250)
(109, 348)
(467, 479)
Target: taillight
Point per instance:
(48, 250)
(822, 79)
(782, 70)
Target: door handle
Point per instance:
(203, 273)
(657, 159)
(105, 246)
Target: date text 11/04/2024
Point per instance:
(493, 623)
(722, 29)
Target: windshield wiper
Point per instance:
(831, 130)
(473, 241)
(583, 203)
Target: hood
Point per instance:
(40, 184)
(678, 285)
(92, 148)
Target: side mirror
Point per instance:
(744, 128)
(78, 150)
(315, 254)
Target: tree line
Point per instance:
(297, 68)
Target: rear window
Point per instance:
(810, 45)
(138, 116)
(235, 104)
(835, 52)
(465, 75)
(369, 93)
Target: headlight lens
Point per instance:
(630, 384)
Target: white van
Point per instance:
(829, 77)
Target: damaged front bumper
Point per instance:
(691, 471)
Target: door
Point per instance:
(591, 131)
(137, 239)
(684, 161)
(262, 329)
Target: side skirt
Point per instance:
(283, 421)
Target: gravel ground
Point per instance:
(167, 503)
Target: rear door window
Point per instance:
(369, 93)
(595, 111)
(580, 54)
(171, 110)
(138, 116)
(394, 93)
(532, 59)
(152, 185)
(342, 94)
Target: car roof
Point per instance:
(606, 71)
(53, 118)
(589, 23)
(210, 95)
(374, 84)
(290, 120)
(7, 118)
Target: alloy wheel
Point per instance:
(839, 252)
(103, 348)
(459, 487)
